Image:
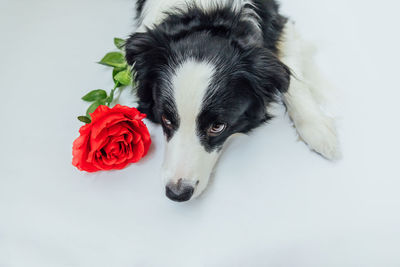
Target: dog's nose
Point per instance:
(179, 191)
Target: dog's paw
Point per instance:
(321, 136)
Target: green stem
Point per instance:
(111, 98)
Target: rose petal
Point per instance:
(137, 152)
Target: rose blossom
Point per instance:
(116, 137)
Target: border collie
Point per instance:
(207, 69)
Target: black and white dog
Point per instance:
(207, 69)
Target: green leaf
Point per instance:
(114, 59)
(119, 43)
(124, 77)
(115, 72)
(95, 95)
(94, 106)
(84, 119)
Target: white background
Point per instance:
(272, 202)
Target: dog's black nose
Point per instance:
(179, 191)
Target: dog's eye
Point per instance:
(167, 123)
(216, 129)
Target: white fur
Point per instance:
(185, 157)
(302, 100)
(154, 10)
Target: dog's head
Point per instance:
(202, 89)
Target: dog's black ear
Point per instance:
(269, 76)
(146, 52)
(277, 73)
(246, 36)
(136, 45)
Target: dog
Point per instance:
(208, 69)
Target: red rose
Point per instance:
(116, 137)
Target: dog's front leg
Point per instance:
(303, 100)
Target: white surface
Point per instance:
(271, 202)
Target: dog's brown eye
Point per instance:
(167, 123)
(216, 129)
